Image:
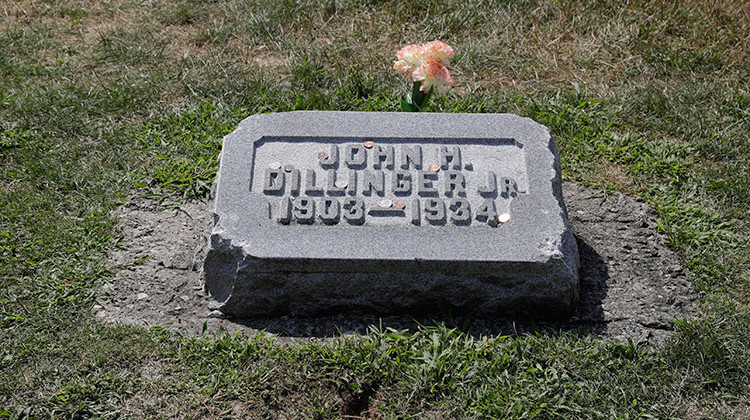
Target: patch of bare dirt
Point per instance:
(632, 284)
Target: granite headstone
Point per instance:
(317, 212)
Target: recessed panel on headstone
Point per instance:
(319, 212)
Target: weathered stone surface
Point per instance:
(316, 212)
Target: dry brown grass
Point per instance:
(539, 49)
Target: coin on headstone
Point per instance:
(369, 143)
(385, 203)
(434, 168)
(341, 183)
(288, 167)
(322, 155)
(274, 165)
(503, 218)
(399, 204)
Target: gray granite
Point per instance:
(318, 212)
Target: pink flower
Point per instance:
(437, 51)
(433, 75)
(425, 64)
(409, 58)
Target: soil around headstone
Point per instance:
(632, 284)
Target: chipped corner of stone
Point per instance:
(216, 279)
(226, 258)
(560, 259)
(564, 248)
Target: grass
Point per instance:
(99, 97)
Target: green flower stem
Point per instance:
(416, 100)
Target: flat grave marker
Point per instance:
(323, 211)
